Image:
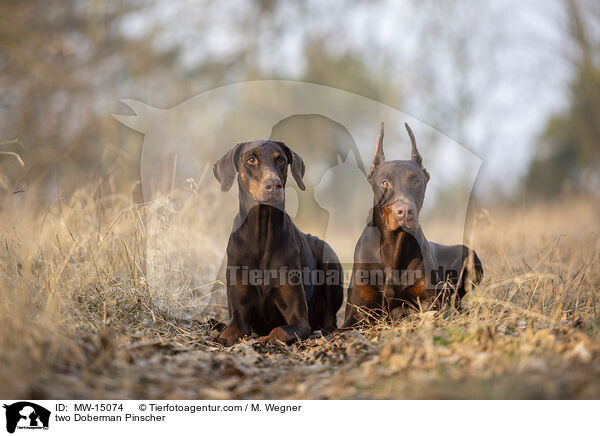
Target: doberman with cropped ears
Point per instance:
(396, 269)
(289, 300)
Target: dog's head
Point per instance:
(398, 186)
(261, 167)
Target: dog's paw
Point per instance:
(225, 341)
(269, 340)
(229, 336)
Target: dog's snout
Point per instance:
(272, 184)
(405, 211)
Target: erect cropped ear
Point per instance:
(296, 165)
(415, 156)
(225, 168)
(379, 156)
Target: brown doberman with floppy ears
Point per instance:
(395, 267)
(281, 283)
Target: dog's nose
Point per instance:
(273, 185)
(405, 211)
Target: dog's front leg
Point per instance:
(239, 301)
(290, 300)
(364, 295)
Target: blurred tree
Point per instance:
(65, 65)
(61, 64)
(567, 154)
(348, 71)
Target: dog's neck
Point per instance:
(397, 246)
(263, 221)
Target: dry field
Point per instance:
(79, 319)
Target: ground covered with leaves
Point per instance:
(425, 356)
(80, 321)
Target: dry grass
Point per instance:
(80, 316)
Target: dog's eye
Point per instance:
(415, 182)
(251, 160)
(280, 160)
(385, 184)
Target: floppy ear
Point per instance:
(296, 165)
(225, 168)
(379, 156)
(415, 156)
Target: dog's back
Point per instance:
(459, 265)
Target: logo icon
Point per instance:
(26, 415)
